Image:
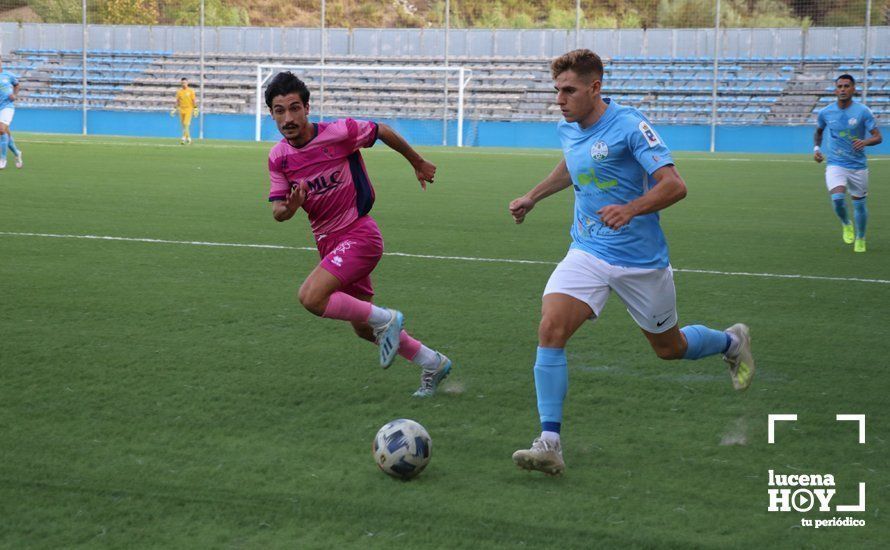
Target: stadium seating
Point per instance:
(757, 90)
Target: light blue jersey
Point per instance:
(612, 162)
(8, 81)
(845, 125)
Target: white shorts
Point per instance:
(856, 181)
(6, 115)
(648, 294)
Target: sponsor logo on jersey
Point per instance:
(649, 134)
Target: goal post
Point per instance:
(420, 96)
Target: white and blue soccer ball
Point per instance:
(402, 448)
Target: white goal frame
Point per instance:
(264, 72)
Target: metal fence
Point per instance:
(451, 32)
(466, 43)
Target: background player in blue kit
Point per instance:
(9, 87)
(847, 123)
(622, 174)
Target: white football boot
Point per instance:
(429, 380)
(741, 365)
(387, 338)
(544, 456)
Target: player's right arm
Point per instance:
(283, 210)
(286, 198)
(817, 138)
(558, 180)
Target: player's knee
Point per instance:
(312, 300)
(552, 333)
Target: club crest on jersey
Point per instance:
(853, 121)
(599, 151)
(649, 134)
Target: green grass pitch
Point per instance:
(175, 395)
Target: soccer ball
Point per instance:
(402, 448)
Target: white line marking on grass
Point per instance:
(784, 276)
(481, 151)
(141, 144)
(468, 258)
(160, 241)
(435, 257)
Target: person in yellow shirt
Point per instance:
(186, 105)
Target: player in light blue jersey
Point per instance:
(851, 128)
(9, 87)
(623, 175)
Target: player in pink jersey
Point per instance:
(318, 167)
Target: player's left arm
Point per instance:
(15, 91)
(654, 157)
(670, 189)
(876, 138)
(423, 169)
(872, 128)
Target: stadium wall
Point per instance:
(739, 139)
(394, 43)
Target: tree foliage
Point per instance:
(128, 12)
(58, 11)
(216, 14)
(558, 14)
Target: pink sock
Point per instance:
(346, 308)
(408, 346)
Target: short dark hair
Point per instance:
(183, 78)
(582, 62)
(848, 77)
(286, 83)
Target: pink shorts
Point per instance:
(351, 255)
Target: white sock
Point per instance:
(427, 359)
(379, 316)
(733, 346)
(550, 437)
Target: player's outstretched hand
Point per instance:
(296, 198)
(858, 145)
(425, 172)
(519, 208)
(173, 112)
(615, 216)
(817, 156)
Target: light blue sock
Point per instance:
(4, 140)
(861, 211)
(551, 384)
(840, 207)
(702, 341)
(15, 150)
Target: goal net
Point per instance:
(423, 103)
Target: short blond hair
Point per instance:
(582, 62)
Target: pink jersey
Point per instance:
(330, 166)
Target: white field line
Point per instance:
(466, 151)
(435, 257)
